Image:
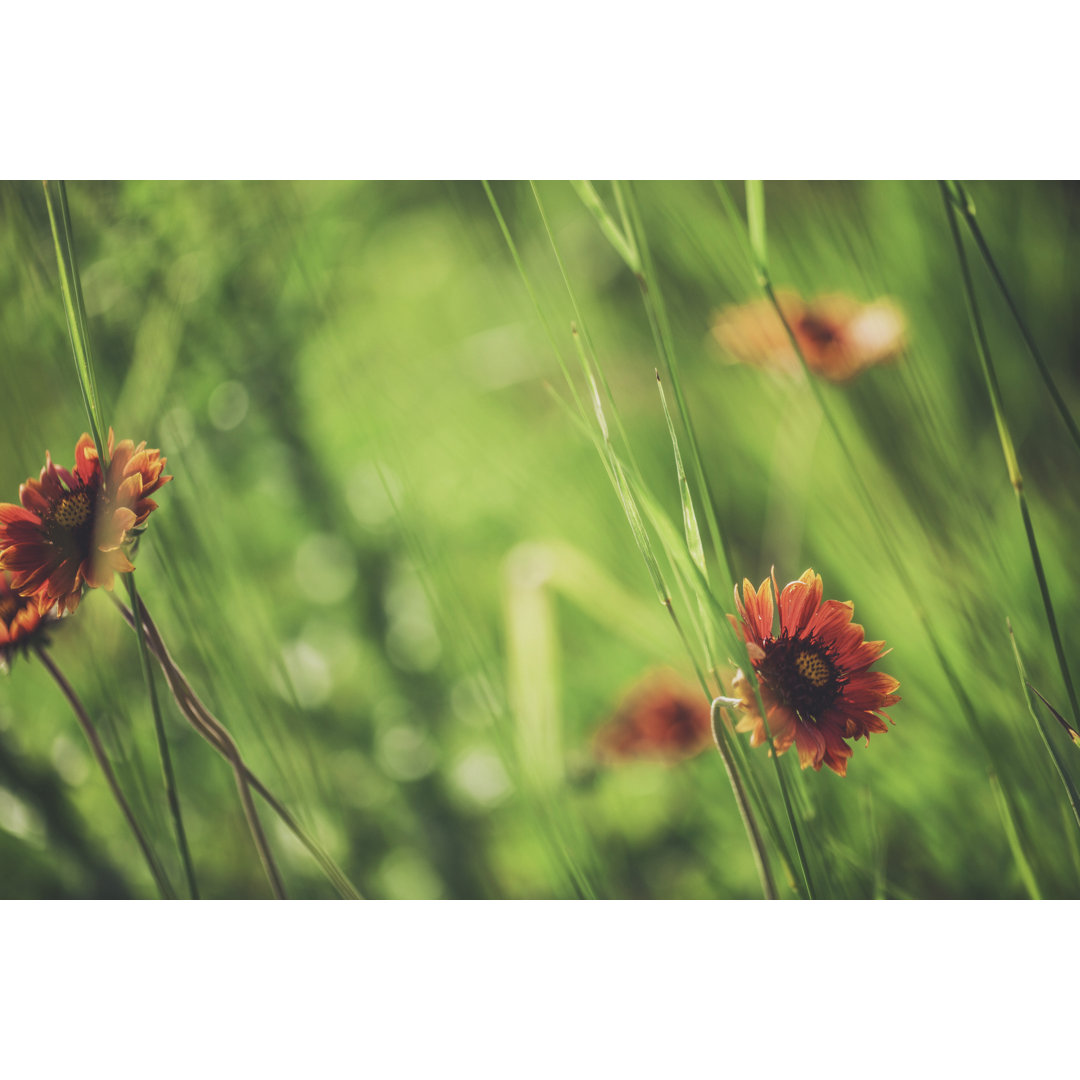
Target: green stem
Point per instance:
(165, 757)
(1059, 765)
(982, 347)
(74, 308)
(757, 844)
(215, 733)
(229, 750)
(967, 209)
(758, 847)
(98, 750)
(656, 311)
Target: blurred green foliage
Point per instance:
(374, 485)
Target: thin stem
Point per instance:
(228, 748)
(74, 308)
(967, 209)
(757, 844)
(720, 738)
(162, 882)
(1059, 765)
(982, 347)
(656, 311)
(214, 732)
(165, 757)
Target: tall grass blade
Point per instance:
(721, 739)
(755, 219)
(656, 310)
(168, 776)
(214, 732)
(1069, 729)
(1059, 765)
(74, 308)
(157, 871)
(621, 242)
(1015, 844)
(964, 203)
(982, 347)
(690, 525)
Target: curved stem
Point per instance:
(106, 767)
(171, 793)
(214, 732)
(758, 847)
(229, 750)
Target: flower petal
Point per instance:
(810, 744)
(798, 602)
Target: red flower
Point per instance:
(661, 718)
(837, 335)
(71, 528)
(20, 621)
(814, 675)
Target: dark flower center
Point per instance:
(70, 521)
(801, 674)
(817, 330)
(72, 510)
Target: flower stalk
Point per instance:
(98, 750)
(215, 733)
(986, 362)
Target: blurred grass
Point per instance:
(350, 384)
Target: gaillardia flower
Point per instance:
(837, 335)
(814, 674)
(661, 718)
(72, 527)
(20, 621)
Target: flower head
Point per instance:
(814, 674)
(661, 717)
(20, 621)
(837, 335)
(72, 527)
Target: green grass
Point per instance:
(396, 560)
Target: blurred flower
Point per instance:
(661, 717)
(838, 335)
(72, 527)
(814, 677)
(20, 621)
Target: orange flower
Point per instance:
(837, 335)
(71, 528)
(661, 717)
(814, 675)
(20, 621)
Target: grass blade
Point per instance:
(98, 750)
(963, 202)
(1066, 780)
(168, 776)
(690, 525)
(982, 347)
(74, 308)
(1008, 820)
(755, 218)
(622, 243)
